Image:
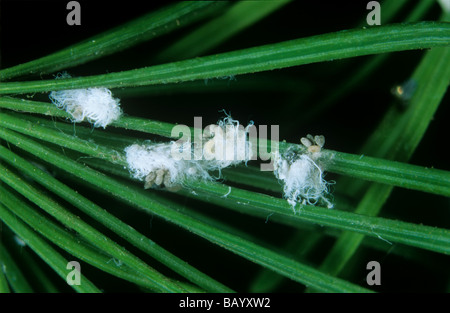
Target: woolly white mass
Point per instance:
(225, 144)
(302, 178)
(95, 105)
(228, 143)
(154, 164)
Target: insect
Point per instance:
(159, 177)
(302, 178)
(95, 105)
(314, 144)
(404, 92)
(20, 241)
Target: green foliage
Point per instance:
(66, 192)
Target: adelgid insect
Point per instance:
(94, 105)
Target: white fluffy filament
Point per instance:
(95, 105)
(227, 144)
(302, 179)
(156, 163)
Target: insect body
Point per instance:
(314, 144)
(404, 91)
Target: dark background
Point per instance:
(32, 29)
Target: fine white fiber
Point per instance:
(302, 178)
(95, 105)
(153, 163)
(227, 144)
(223, 145)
